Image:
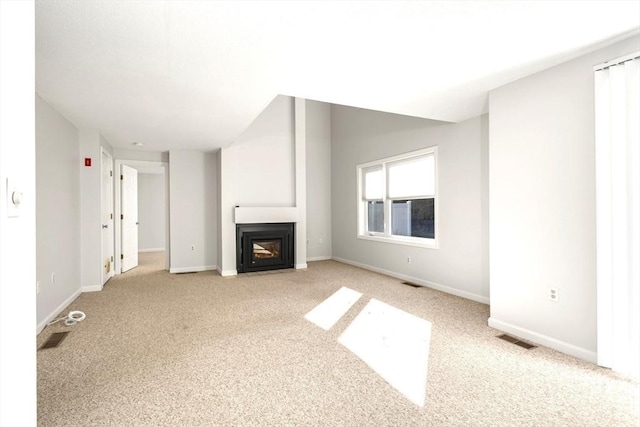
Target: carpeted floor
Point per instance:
(161, 349)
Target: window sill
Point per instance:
(415, 242)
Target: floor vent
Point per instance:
(54, 340)
(516, 341)
(413, 285)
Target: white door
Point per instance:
(107, 218)
(129, 218)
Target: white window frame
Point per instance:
(386, 236)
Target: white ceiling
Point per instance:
(194, 75)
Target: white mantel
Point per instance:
(263, 215)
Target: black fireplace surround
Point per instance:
(261, 247)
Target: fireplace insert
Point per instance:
(263, 247)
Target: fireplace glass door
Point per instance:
(266, 249)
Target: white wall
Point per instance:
(149, 156)
(91, 142)
(193, 210)
(542, 186)
(459, 265)
(58, 213)
(318, 132)
(17, 234)
(151, 212)
(264, 158)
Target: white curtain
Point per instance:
(617, 98)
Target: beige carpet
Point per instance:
(202, 350)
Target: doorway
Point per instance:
(128, 217)
(125, 197)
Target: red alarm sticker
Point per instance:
(87, 161)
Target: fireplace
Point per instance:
(263, 247)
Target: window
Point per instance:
(397, 199)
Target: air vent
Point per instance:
(516, 341)
(54, 340)
(413, 285)
(525, 345)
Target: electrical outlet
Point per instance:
(193, 247)
(53, 278)
(320, 240)
(553, 294)
(38, 287)
(408, 260)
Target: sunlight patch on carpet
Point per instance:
(329, 311)
(395, 344)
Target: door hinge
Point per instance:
(110, 173)
(111, 259)
(121, 216)
(121, 256)
(110, 216)
(121, 177)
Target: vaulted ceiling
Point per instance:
(194, 75)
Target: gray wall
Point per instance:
(193, 210)
(318, 133)
(151, 211)
(542, 186)
(459, 266)
(58, 211)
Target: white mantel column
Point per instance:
(301, 182)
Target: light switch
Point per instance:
(14, 199)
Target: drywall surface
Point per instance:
(458, 266)
(264, 158)
(150, 156)
(542, 204)
(151, 212)
(58, 210)
(227, 226)
(220, 213)
(318, 132)
(18, 378)
(193, 210)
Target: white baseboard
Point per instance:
(301, 266)
(227, 273)
(151, 250)
(95, 288)
(561, 346)
(57, 311)
(318, 258)
(417, 281)
(193, 269)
